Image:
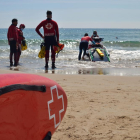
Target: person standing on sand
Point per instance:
(20, 39)
(51, 37)
(12, 36)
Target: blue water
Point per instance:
(124, 51)
(77, 33)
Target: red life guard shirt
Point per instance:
(50, 28)
(20, 35)
(12, 33)
(86, 38)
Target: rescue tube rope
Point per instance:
(10, 88)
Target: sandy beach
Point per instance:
(100, 107)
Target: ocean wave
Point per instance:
(68, 43)
(3, 42)
(75, 43)
(122, 43)
(35, 43)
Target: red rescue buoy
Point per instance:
(30, 106)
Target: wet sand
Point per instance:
(100, 107)
(81, 71)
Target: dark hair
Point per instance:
(49, 12)
(14, 20)
(94, 32)
(86, 34)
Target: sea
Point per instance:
(122, 44)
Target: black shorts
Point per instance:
(50, 41)
(13, 46)
(83, 45)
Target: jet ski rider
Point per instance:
(96, 38)
(94, 34)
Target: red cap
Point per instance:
(22, 26)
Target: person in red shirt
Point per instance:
(12, 36)
(84, 45)
(51, 37)
(20, 39)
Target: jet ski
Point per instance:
(96, 51)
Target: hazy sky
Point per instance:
(73, 13)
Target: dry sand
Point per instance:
(99, 107)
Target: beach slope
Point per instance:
(99, 107)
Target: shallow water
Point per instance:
(124, 51)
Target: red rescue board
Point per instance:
(30, 106)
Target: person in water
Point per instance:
(84, 45)
(51, 37)
(20, 39)
(12, 36)
(94, 34)
(96, 38)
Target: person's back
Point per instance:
(51, 37)
(84, 45)
(86, 38)
(12, 33)
(50, 28)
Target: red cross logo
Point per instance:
(55, 106)
(49, 26)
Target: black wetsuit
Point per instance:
(13, 50)
(83, 46)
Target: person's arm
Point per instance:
(37, 29)
(23, 38)
(15, 31)
(16, 37)
(92, 40)
(57, 32)
(21, 34)
(8, 36)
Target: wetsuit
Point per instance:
(83, 45)
(12, 36)
(97, 40)
(20, 38)
(51, 36)
(94, 36)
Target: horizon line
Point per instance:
(81, 28)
